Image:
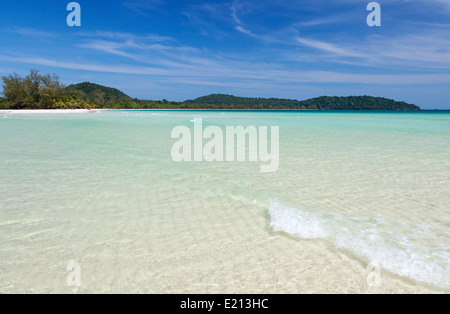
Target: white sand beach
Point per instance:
(49, 111)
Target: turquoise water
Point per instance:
(101, 189)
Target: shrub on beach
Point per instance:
(72, 103)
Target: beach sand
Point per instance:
(48, 111)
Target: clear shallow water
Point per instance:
(101, 189)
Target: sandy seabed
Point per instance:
(103, 191)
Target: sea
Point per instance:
(96, 203)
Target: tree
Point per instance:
(32, 87)
(3, 104)
(50, 90)
(35, 91)
(14, 90)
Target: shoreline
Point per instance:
(48, 111)
(6, 112)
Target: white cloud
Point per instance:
(328, 47)
(235, 72)
(31, 32)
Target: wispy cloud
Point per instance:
(424, 49)
(326, 46)
(31, 32)
(321, 21)
(443, 3)
(232, 71)
(142, 7)
(126, 36)
(144, 49)
(109, 47)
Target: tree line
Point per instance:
(36, 91)
(217, 101)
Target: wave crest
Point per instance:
(371, 238)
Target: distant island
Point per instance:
(37, 91)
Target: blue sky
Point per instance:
(155, 49)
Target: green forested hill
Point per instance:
(357, 103)
(106, 97)
(229, 101)
(99, 95)
(321, 103)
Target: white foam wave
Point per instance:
(295, 222)
(371, 238)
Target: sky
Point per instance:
(179, 50)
